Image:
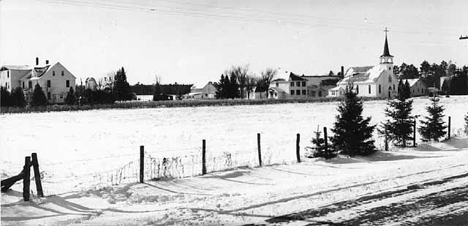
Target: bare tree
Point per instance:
(250, 84)
(264, 81)
(241, 73)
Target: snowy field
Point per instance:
(80, 150)
(402, 185)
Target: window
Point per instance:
(320, 93)
(67, 83)
(369, 89)
(380, 89)
(303, 92)
(277, 84)
(292, 92)
(393, 86)
(8, 74)
(303, 84)
(63, 73)
(61, 96)
(292, 84)
(48, 83)
(48, 95)
(313, 93)
(23, 84)
(389, 78)
(53, 73)
(30, 84)
(298, 84)
(357, 89)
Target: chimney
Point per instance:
(342, 71)
(37, 61)
(47, 62)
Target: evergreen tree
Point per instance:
(352, 133)
(407, 90)
(433, 128)
(319, 146)
(71, 98)
(38, 98)
(17, 98)
(233, 91)
(5, 97)
(221, 87)
(122, 90)
(158, 95)
(399, 125)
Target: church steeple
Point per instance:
(386, 60)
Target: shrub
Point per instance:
(38, 98)
(319, 150)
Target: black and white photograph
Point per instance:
(233, 112)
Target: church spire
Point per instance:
(386, 51)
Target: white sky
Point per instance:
(195, 41)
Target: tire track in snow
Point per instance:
(385, 213)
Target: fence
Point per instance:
(152, 165)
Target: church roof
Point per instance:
(362, 74)
(386, 51)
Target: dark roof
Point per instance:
(294, 77)
(41, 70)
(386, 51)
(15, 67)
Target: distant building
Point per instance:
(417, 86)
(54, 79)
(207, 91)
(90, 83)
(370, 81)
(300, 87)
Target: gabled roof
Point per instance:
(362, 74)
(412, 81)
(15, 67)
(39, 71)
(278, 90)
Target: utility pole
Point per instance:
(463, 37)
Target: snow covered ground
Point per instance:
(73, 147)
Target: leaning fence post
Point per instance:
(449, 125)
(26, 178)
(325, 138)
(37, 175)
(203, 157)
(259, 150)
(386, 139)
(298, 154)
(142, 164)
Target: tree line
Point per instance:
(430, 74)
(239, 82)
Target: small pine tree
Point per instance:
(121, 89)
(18, 98)
(399, 125)
(38, 98)
(466, 123)
(71, 98)
(352, 133)
(433, 128)
(407, 90)
(319, 147)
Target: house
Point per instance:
(370, 81)
(417, 86)
(305, 86)
(207, 91)
(54, 79)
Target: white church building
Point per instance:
(370, 81)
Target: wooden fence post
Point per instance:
(449, 125)
(26, 178)
(386, 139)
(37, 175)
(325, 138)
(414, 133)
(259, 150)
(298, 154)
(203, 157)
(142, 164)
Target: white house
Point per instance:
(417, 86)
(207, 91)
(297, 87)
(370, 81)
(54, 79)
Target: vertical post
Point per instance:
(259, 150)
(203, 157)
(142, 164)
(26, 178)
(414, 133)
(449, 125)
(386, 139)
(325, 138)
(298, 154)
(37, 175)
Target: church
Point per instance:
(370, 81)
